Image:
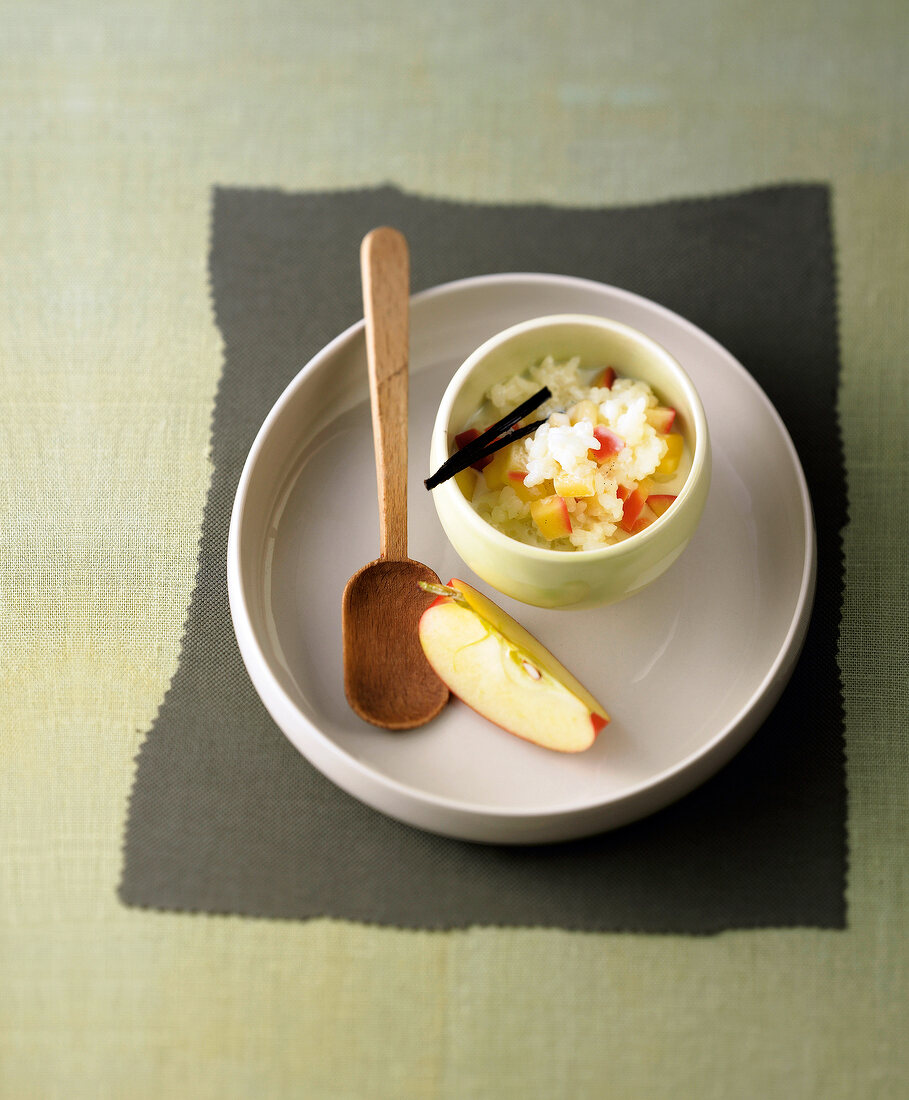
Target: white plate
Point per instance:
(688, 669)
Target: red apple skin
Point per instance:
(566, 517)
(468, 436)
(633, 503)
(606, 379)
(609, 444)
(465, 437)
(659, 502)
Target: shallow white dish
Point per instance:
(688, 669)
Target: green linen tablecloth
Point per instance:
(117, 121)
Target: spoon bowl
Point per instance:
(383, 603)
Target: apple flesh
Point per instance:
(675, 445)
(551, 517)
(570, 485)
(466, 481)
(505, 462)
(605, 378)
(661, 417)
(504, 673)
(515, 478)
(584, 410)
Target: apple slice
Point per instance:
(551, 517)
(605, 378)
(504, 673)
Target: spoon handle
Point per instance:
(385, 273)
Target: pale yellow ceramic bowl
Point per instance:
(559, 578)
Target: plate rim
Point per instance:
(705, 761)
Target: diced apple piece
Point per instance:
(505, 674)
(584, 410)
(675, 444)
(468, 436)
(605, 378)
(661, 417)
(568, 485)
(536, 492)
(633, 502)
(466, 481)
(551, 517)
(659, 502)
(609, 444)
(504, 462)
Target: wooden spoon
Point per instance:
(387, 679)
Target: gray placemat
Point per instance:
(227, 817)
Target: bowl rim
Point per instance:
(452, 497)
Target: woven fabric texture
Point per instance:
(116, 122)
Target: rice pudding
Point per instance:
(605, 464)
